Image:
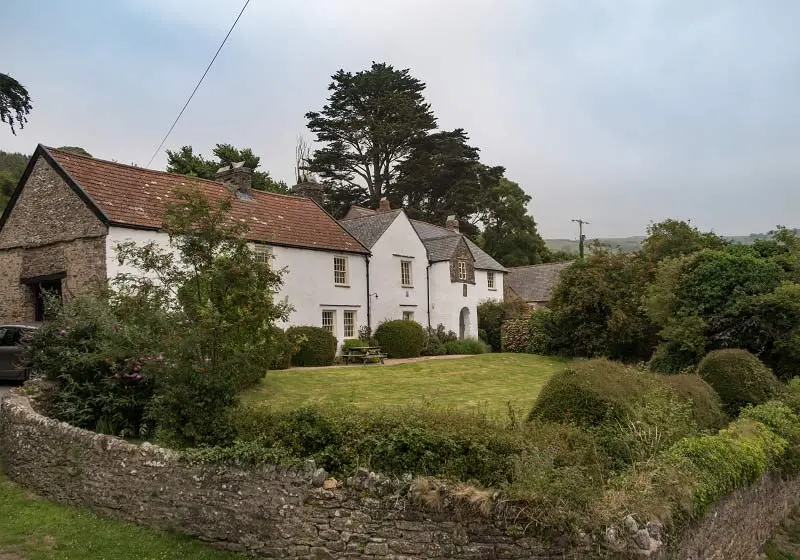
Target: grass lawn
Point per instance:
(33, 528)
(486, 382)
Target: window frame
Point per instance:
(490, 280)
(345, 271)
(262, 254)
(345, 314)
(333, 321)
(408, 315)
(462, 270)
(406, 264)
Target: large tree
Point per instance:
(367, 127)
(12, 166)
(15, 103)
(186, 162)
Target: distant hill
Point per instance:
(634, 243)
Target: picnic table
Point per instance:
(364, 354)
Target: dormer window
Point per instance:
(462, 270)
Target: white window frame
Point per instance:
(408, 315)
(332, 326)
(490, 280)
(406, 280)
(351, 313)
(462, 270)
(344, 270)
(262, 254)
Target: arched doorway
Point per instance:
(463, 323)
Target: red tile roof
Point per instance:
(135, 197)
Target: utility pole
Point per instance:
(581, 237)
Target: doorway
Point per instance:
(463, 323)
(44, 290)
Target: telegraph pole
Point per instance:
(581, 237)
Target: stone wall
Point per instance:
(50, 231)
(276, 512)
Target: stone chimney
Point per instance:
(384, 205)
(452, 223)
(310, 189)
(238, 178)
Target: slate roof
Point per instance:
(356, 211)
(368, 228)
(535, 282)
(442, 242)
(129, 196)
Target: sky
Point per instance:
(620, 112)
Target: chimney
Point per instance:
(452, 223)
(238, 179)
(384, 205)
(310, 189)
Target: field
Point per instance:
(35, 529)
(487, 382)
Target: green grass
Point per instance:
(487, 382)
(32, 528)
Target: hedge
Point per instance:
(401, 339)
(314, 346)
(529, 333)
(706, 404)
(738, 377)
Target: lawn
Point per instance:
(32, 528)
(486, 382)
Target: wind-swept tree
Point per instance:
(367, 127)
(15, 103)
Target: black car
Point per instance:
(10, 337)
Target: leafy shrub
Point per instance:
(738, 377)
(435, 343)
(529, 333)
(401, 339)
(352, 343)
(789, 394)
(314, 346)
(706, 405)
(590, 392)
(467, 346)
(779, 418)
(282, 349)
(491, 316)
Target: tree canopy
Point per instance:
(12, 166)
(15, 103)
(186, 162)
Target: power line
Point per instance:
(155, 153)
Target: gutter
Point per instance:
(369, 299)
(428, 290)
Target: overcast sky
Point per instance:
(618, 111)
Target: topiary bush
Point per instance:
(314, 346)
(467, 346)
(706, 404)
(401, 339)
(738, 377)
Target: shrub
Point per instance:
(352, 343)
(467, 346)
(529, 333)
(491, 316)
(591, 392)
(706, 405)
(738, 377)
(401, 339)
(314, 346)
(282, 349)
(779, 418)
(435, 341)
(789, 394)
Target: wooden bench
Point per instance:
(364, 354)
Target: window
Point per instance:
(262, 254)
(340, 271)
(349, 324)
(329, 321)
(408, 315)
(405, 273)
(462, 270)
(465, 290)
(490, 279)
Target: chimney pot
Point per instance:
(384, 205)
(238, 179)
(452, 223)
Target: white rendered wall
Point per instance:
(398, 243)
(481, 289)
(307, 282)
(447, 298)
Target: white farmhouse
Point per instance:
(431, 274)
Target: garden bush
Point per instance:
(529, 333)
(738, 377)
(706, 404)
(401, 339)
(314, 346)
(491, 316)
(779, 418)
(352, 343)
(436, 340)
(282, 349)
(467, 346)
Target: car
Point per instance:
(10, 349)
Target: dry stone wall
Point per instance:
(276, 512)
